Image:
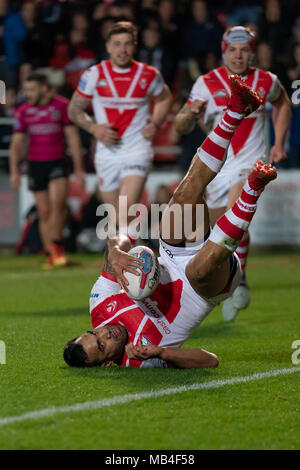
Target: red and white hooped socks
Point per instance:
(213, 151)
(230, 227)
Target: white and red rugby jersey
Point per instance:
(248, 140)
(121, 96)
(166, 318)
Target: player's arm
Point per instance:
(281, 117)
(16, 152)
(175, 357)
(188, 116)
(74, 143)
(117, 260)
(161, 108)
(77, 113)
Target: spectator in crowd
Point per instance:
(153, 52)
(15, 32)
(3, 11)
(202, 34)
(274, 27)
(245, 12)
(38, 43)
(169, 25)
(265, 60)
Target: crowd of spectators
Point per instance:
(180, 37)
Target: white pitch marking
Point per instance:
(122, 399)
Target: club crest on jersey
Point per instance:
(220, 94)
(143, 83)
(111, 306)
(102, 82)
(261, 92)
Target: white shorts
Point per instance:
(175, 260)
(217, 191)
(113, 165)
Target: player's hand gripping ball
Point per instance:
(140, 287)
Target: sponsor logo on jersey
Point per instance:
(94, 296)
(43, 113)
(101, 83)
(122, 79)
(169, 253)
(82, 84)
(220, 94)
(111, 306)
(145, 341)
(31, 110)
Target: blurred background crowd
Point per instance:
(181, 38)
(62, 38)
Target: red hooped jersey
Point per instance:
(214, 87)
(121, 96)
(45, 128)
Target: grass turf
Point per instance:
(41, 311)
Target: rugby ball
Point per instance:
(142, 286)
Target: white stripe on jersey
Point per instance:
(255, 80)
(131, 307)
(109, 80)
(135, 80)
(226, 86)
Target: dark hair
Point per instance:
(37, 77)
(75, 355)
(123, 27)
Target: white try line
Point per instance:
(122, 399)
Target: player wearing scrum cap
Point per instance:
(247, 145)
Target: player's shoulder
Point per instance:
(208, 77)
(60, 101)
(148, 69)
(265, 75)
(23, 107)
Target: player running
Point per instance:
(248, 143)
(44, 120)
(195, 276)
(121, 90)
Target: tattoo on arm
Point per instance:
(77, 113)
(107, 266)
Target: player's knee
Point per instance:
(199, 271)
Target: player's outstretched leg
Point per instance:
(212, 154)
(208, 270)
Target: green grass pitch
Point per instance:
(41, 311)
